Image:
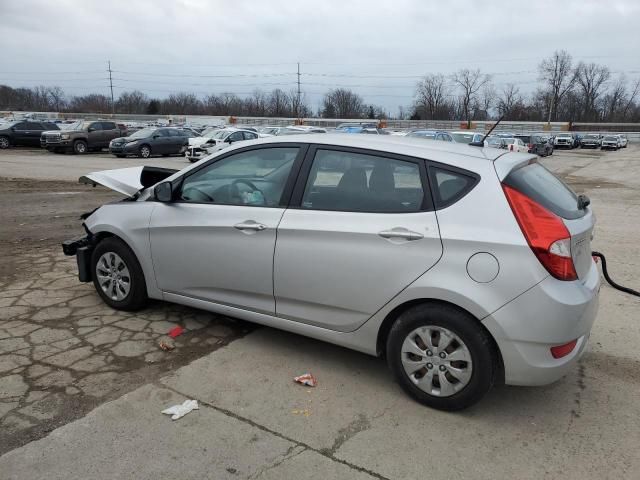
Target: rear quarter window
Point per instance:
(542, 186)
(450, 184)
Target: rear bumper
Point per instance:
(551, 313)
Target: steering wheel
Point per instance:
(235, 191)
(199, 192)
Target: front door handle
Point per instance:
(251, 225)
(400, 232)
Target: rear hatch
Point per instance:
(558, 199)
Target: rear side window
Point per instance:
(450, 185)
(355, 182)
(108, 126)
(542, 186)
(96, 126)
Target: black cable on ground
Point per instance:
(608, 278)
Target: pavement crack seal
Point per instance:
(292, 451)
(358, 425)
(324, 452)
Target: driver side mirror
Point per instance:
(163, 192)
(91, 129)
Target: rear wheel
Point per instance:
(80, 147)
(117, 275)
(4, 142)
(145, 151)
(442, 356)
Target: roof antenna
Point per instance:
(481, 142)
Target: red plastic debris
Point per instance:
(306, 379)
(176, 331)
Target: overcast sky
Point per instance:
(379, 49)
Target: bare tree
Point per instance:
(559, 77)
(57, 98)
(431, 94)
(469, 82)
(342, 103)
(590, 78)
(632, 96)
(132, 102)
(508, 98)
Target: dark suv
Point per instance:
(26, 132)
(537, 144)
(83, 137)
(151, 141)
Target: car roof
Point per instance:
(413, 147)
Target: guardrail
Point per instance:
(632, 130)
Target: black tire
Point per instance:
(144, 151)
(484, 357)
(4, 142)
(80, 147)
(136, 298)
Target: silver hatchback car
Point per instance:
(462, 266)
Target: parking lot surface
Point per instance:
(82, 386)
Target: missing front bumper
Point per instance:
(82, 248)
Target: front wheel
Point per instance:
(145, 151)
(117, 275)
(4, 143)
(80, 147)
(441, 356)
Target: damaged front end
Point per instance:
(82, 248)
(128, 181)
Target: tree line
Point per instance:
(582, 92)
(565, 92)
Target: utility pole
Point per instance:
(111, 86)
(298, 102)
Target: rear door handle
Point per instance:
(400, 232)
(251, 225)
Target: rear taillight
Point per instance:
(530, 146)
(545, 233)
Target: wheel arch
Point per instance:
(392, 316)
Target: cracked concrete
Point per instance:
(255, 422)
(61, 347)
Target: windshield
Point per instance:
(430, 135)
(144, 133)
(611, 139)
(70, 126)
(591, 137)
(219, 134)
(463, 137)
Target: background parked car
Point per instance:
(430, 135)
(466, 137)
(516, 145)
(151, 141)
(86, 136)
(591, 140)
(564, 140)
(623, 140)
(610, 142)
(25, 133)
(537, 144)
(222, 138)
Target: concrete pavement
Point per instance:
(254, 422)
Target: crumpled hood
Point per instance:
(197, 141)
(128, 181)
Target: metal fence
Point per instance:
(632, 130)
